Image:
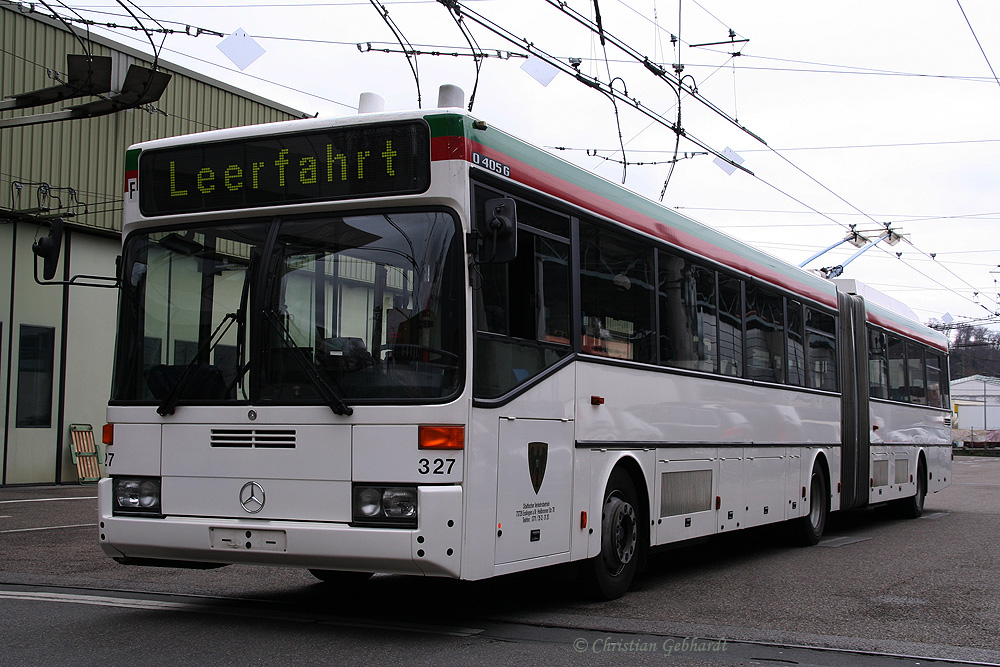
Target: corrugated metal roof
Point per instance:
(137, 54)
(85, 159)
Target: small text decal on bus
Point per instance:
(481, 160)
(330, 164)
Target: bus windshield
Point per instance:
(323, 309)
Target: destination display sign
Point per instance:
(332, 164)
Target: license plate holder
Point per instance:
(248, 539)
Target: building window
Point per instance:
(35, 366)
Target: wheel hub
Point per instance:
(622, 537)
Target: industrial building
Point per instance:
(976, 401)
(57, 341)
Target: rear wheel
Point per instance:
(611, 572)
(341, 578)
(913, 507)
(809, 529)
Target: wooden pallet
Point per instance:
(86, 454)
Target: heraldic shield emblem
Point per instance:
(538, 454)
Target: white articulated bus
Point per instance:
(409, 342)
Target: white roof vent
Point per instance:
(371, 103)
(450, 96)
(872, 295)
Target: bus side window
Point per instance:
(935, 397)
(796, 344)
(616, 292)
(878, 366)
(730, 326)
(897, 369)
(915, 364)
(522, 307)
(765, 342)
(821, 344)
(528, 298)
(688, 314)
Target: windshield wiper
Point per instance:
(335, 402)
(170, 400)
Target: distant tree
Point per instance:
(975, 350)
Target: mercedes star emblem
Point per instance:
(252, 497)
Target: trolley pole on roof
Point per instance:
(890, 237)
(855, 238)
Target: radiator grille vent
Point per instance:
(259, 438)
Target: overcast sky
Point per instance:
(872, 112)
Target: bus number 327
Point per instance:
(436, 467)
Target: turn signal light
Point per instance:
(442, 437)
(108, 434)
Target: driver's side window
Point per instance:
(523, 307)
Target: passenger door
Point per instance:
(534, 488)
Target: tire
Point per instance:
(610, 573)
(340, 578)
(913, 507)
(809, 529)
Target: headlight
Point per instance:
(149, 493)
(400, 503)
(127, 492)
(390, 506)
(137, 495)
(369, 502)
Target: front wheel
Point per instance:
(809, 529)
(610, 573)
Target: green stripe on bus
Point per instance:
(132, 159)
(447, 125)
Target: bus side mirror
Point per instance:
(48, 247)
(498, 231)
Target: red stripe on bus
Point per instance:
(904, 328)
(450, 148)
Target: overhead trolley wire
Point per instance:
(677, 84)
(592, 82)
(404, 44)
(978, 43)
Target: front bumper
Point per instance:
(432, 548)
